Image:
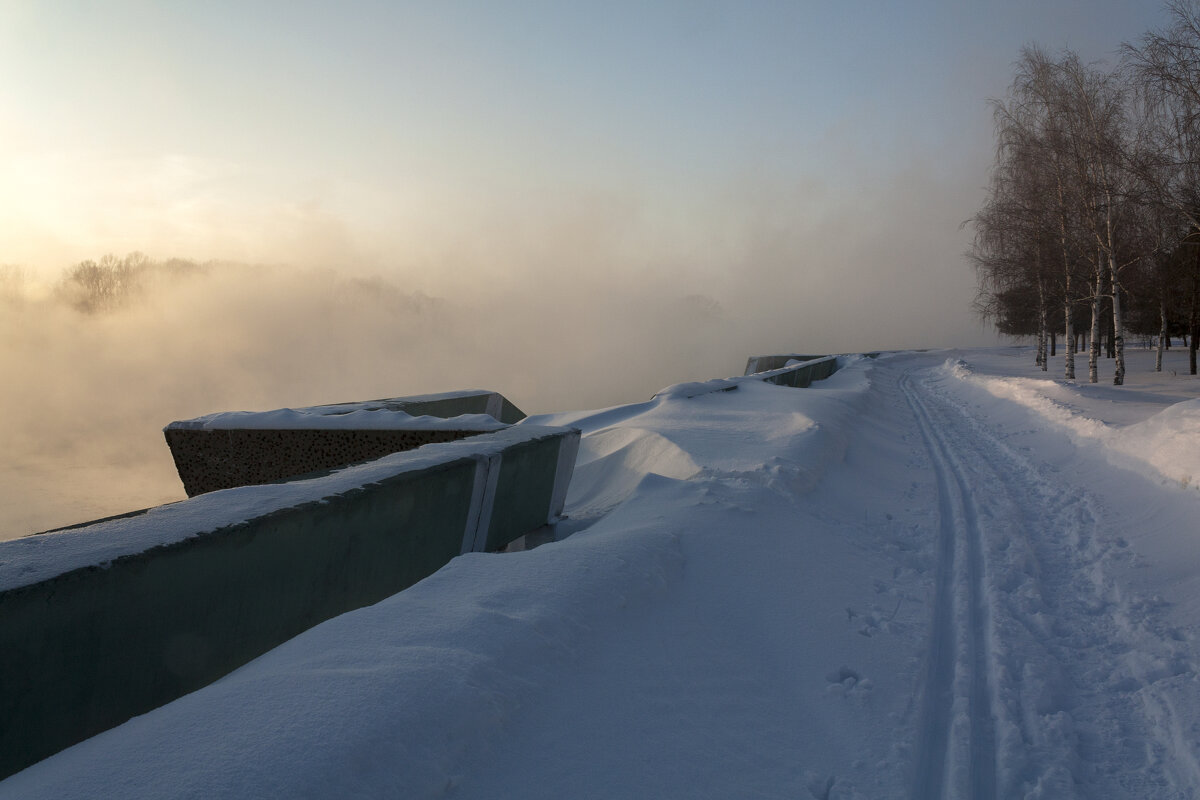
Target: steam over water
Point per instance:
(571, 315)
(86, 394)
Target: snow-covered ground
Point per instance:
(939, 574)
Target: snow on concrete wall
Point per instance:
(794, 371)
(756, 364)
(800, 372)
(220, 451)
(104, 622)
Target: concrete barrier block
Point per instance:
(756, 364)
(210, 460)
(446, 404)
(800, 375)
(220, 451)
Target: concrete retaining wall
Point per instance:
(103, 622)
(221, 451)
(756, 364)
(800, 375)
(209, 460)
(447, 404)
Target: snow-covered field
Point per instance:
(933, 575)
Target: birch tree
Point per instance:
(1093, 110)
(1010, 249)
(1033, 133)
(1165, 69)
(1094, 198)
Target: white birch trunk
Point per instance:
(1118, 324)
(1162, 333)
(1043, 334)
(1118, 335)
(1094, 343)
(1069, 358)
(1068, 313)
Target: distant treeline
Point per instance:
(107, 284)
(112, 283)
(1093, 211)
(94, 287)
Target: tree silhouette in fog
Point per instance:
(104, 285)
(94, 287)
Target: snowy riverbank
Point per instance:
(933, 574)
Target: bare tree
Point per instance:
(1010, 249)
(1063, 137)
(105, 285)
(1038, 149)
(1165, 69)
(1094, 106)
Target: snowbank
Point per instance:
(401, 698)
(912, 575)
(1169, 442)
(1163, 444)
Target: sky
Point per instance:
(461, 143)
(572, 203)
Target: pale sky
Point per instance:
(829, 145)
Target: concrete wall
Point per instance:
(448, 404)
(800, 375)
(765, 363)
(109, 620)
(208, 460)
(242, 449)
(100, 623)
(516, 509)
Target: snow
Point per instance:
(370, 415)
(1115, 417)
(334, 418)
(941, 574)
(32, 559)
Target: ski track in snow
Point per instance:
(958, 642)
(1043, 679)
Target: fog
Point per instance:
(590, 304)
(574, 205)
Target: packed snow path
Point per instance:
(955, 632)
(1029, 611)
(931, 576)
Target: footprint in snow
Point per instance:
(843, 681)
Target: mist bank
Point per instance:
(88, 391)
(597, 302)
